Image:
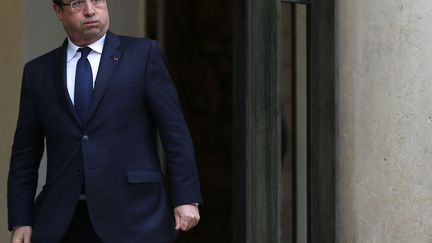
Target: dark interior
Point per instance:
(198, 43)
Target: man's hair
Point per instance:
(58, 2)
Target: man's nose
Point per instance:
(89, 9)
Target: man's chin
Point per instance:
(93, 34)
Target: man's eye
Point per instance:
(79, 3)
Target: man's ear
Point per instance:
(58, 11)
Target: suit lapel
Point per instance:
(60, 82)
(110, 58)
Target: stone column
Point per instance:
(10, 71)
(384, 121)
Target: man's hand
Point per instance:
(186, 216)
(21, 234)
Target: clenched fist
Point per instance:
(186, 216)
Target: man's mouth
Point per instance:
(90, 23)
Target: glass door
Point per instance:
(293, 105)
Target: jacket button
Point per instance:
(85, 138)
(79, 172)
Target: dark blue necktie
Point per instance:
(83, 85)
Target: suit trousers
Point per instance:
(81, 229)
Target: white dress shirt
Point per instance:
(73, 55)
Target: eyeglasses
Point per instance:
(81, 4)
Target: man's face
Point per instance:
(84, 26)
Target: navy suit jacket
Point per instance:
(115, 150)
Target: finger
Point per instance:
(17, 238)
(184, 224)
(193, 222)
(27, 238)
(177, 220)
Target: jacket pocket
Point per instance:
(144, 176)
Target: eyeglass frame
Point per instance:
(70, 5)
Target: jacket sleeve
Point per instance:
(27, 150)
(165, 109)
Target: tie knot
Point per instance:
(85, 51)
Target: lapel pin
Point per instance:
(116, 58)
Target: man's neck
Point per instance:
(84, 43)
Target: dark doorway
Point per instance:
(225, 58)
(198, 40)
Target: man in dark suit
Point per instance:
(97, 103)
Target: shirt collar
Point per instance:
(96, 46)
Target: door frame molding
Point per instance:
(256, 121)
(257, 152)
(322, 122)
